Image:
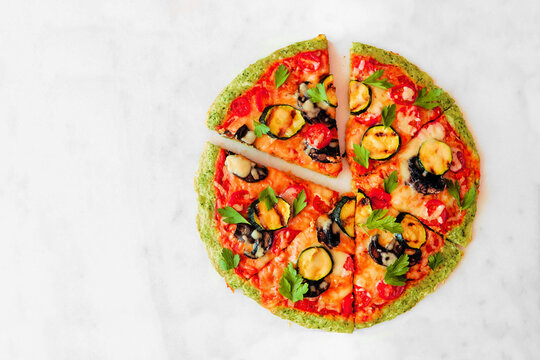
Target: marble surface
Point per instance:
(102, 105)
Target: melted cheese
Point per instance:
(238, 165)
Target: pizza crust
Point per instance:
(451, 257)
(315, 321)
(249, 77)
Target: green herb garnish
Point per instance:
(361, 155)
(388, 114)
(395, 272)
(268, 196)
(299, 203)
(374, 80)
(231, 216)
(391, 182)
(260, 129)
(428, 100)
(454, 190)
(317, 94)
(228, 260)
(291, 284)
(378, 220)
(281, 75)
(435, 260)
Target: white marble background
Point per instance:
(102, 105)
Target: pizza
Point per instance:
(285, 105)
(307, 253)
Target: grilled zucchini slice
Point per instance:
(328, 83)
(414, 232)
(315, 263)
(435, 156)
(363, 208)
(274, 219)
(343, 214)
(359, 97)
(284, 121)
(381, 141)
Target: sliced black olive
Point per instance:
(257, 242)
(384, 255)
(313, 113)
(316, 288)
(328, 154)
(245, 169)
(423, 181)
(328, 231)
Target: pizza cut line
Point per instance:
(305, 252)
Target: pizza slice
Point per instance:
(398, 260)
(390, 99)
(249, 213)
(311, 281)
(435, 177)
(285, 105)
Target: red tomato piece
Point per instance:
(309, 61)
(362, 297)
(349, 264)
(282, 238)
(436, 212)
(380, 199)
(261, 98)
(435, 113)
(404, 94)
(240, 106)
(240, 200)
(368, 119)
(389, 292)
(290, 193)
(347, 305)
(318, 136)
(320, 205)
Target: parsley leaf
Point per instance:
(391, 182)
(388, 114)
(260, 129)
(231, 216)
(428, 100)
(228, 260)
(317, 93)
(299, 203)
(291, 284)
(435, 260)
(361, 155)
(395, 272)
(469, 198)
(281, 75)
(374, 80)
(378, 220)
(269, 197)
(454, 190)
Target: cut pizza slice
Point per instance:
(435, 177)
(390, 99)
(398, 260)
(249, 213)
(285, 105)
(311, 281)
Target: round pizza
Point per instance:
(307, 253)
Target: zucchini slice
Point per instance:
(381, 141)
(363, 208)
(359, 97)
(315, 263)
(274, 219)
(328, 83)
(343, 214)
(435, 156)
(284, 121)
(414, 232)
